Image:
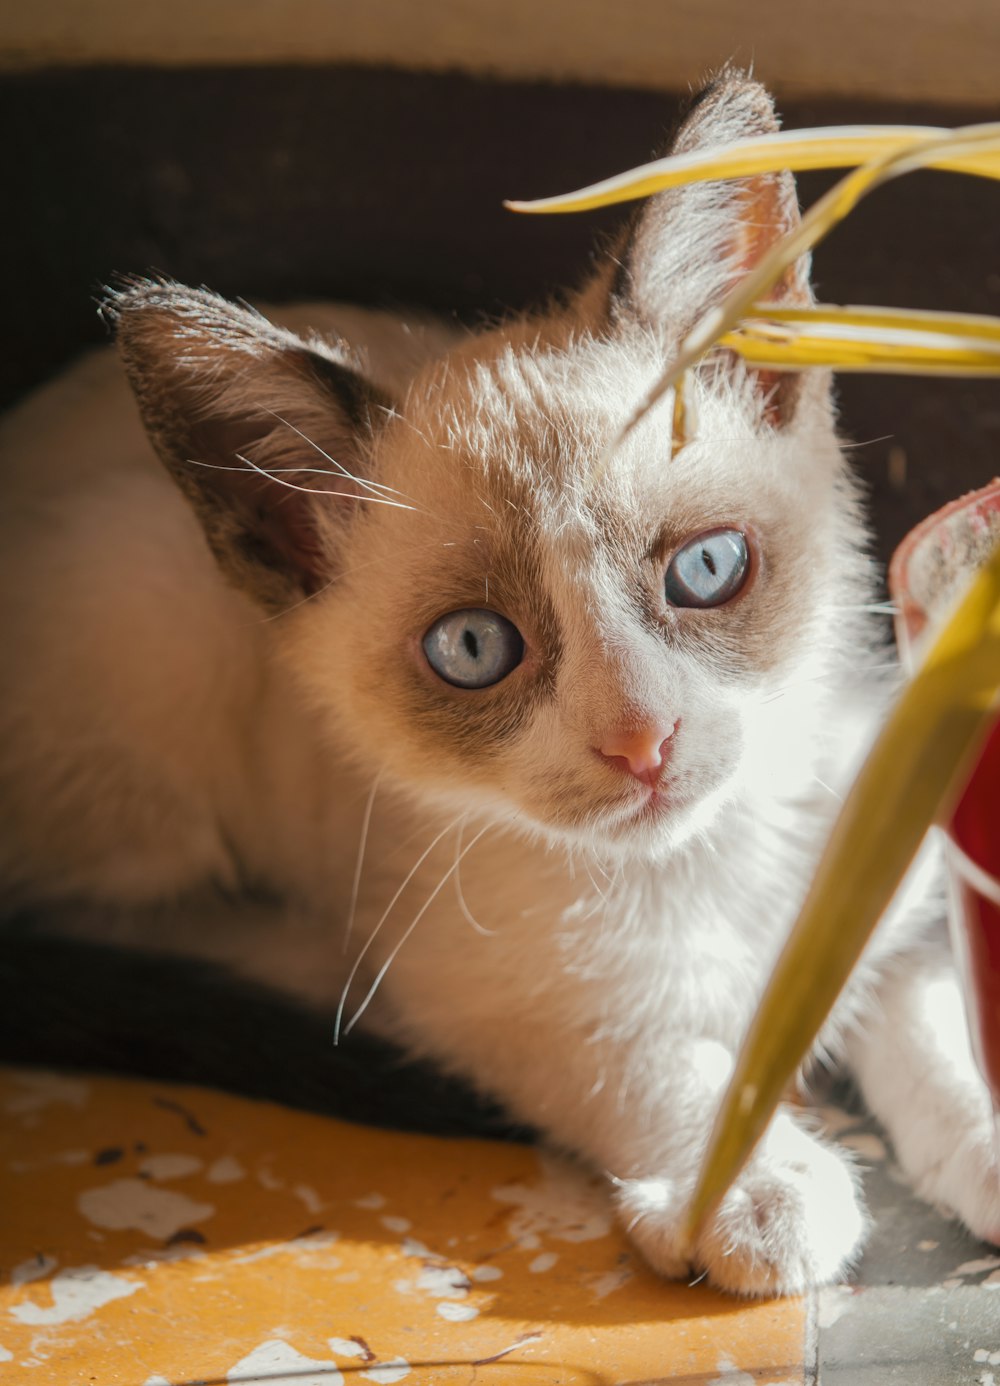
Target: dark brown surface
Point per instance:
(385, 187)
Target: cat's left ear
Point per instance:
(690, 245)
(268, 435)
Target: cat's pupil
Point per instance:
(708, 561)
(471, 644)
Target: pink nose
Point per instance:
(642, 752)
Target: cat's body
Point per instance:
(569, 874)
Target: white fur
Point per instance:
(524, 929)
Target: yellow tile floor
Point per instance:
(162, 1236)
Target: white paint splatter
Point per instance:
(6, 1355)
(443, 1282)
(388, 1372)
(372, 1200)
(132, 1203)
(347, 1347)
(267, 1179)
(302, 1248)
(457, 1313)
(928, 1245)
(156, 1381)
(40, 1090)
(566, 1205)
(834, 1302)
(486, 1273)
(987, 1379)
(226, 1170)
(411, 1247)
(170, 1166)
(543, 1263)
(276, 1358)
(730, 1374)
(397, 1225)
(151, 1258)
(309, 1197)
(76, 1293)
(36, 1269)
(606, 1283)
(869, 1146)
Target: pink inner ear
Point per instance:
(768, 211)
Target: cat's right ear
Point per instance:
(267, 434)
(688, 246)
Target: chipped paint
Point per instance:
(350, 1347)
(607, 1283)
(565, 1204)
(457, 1313)
(276, 1358)
(279, 1283)
(132, 1203)
(77, 1292)
(731, 1375)
(225, 1170)
(397, 1225)
(543, 1263)
(387, 1373)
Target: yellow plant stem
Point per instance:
(867, 339)
(844, 146)
(917, 765)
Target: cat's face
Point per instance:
(587, 648)
(494, 611)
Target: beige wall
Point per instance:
(938, 50)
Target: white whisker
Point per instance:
(342, 470)
(385, 915)
(306, 490)
(460, 895)
(408, 931)
(358, 865)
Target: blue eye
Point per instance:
(473, 649)
(708, 570)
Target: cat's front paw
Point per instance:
(793, 1219)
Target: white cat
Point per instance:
(537, 747)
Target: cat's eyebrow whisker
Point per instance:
(385, 915)
(341, 469)
(306, 490)
(359, 864)
(409, 930)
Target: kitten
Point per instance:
(536, 743)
